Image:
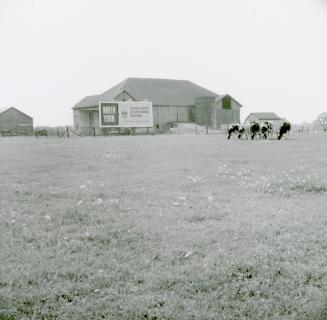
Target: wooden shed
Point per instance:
(262, 117)
(172, 101)
(15, 122)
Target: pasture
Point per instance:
(163, 227)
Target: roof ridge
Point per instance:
(149, 78)
(2, 110)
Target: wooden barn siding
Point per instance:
(209, 112)
(76, 119)
(227, 116)
(94, 119)
(164, 114)
(84, 122)
(11, 118)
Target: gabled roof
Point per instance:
(2, 110)
(265, 116)
(159, 91)
(88, 101)
(226, 95)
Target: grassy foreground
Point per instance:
(163, 227)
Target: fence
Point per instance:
(96, 131)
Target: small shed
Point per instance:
(15, 122)
(262, 117)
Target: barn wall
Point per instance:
(94, 118)
(76, 119)
(15, 120)
(84, 122)
(165, 114)
(208, 111)
(224, 116)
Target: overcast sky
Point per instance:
(270, 55)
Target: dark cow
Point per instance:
(266, 129)
(285, 127)
(254, 129)
(233, 128)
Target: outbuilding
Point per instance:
(262, 117)
(15, 122)
(172, 101)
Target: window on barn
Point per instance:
(227, 103)
(110, 114)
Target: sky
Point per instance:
(270, 55)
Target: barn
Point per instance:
(262, 117)
(172, 101)
(15, 122)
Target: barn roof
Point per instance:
(265, 115)
(88, 101)
(159, 91)
(2, 110)
(226, 95)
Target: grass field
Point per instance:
(163, 227)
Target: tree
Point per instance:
(321, 121)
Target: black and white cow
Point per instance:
(233, 128)
(284, 128)
(254, 129)
(244, 130)
(266, 129)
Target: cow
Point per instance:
(254, 129)
(266, 129)
(244, 130)
(233, 128)
(284, 128)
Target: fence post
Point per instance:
(67, 130)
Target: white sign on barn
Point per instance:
(128, 114)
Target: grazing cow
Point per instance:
(241, 131)
(254, 129)
(266, 129)
(233, 128)
(285, 128)
(244, 130)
